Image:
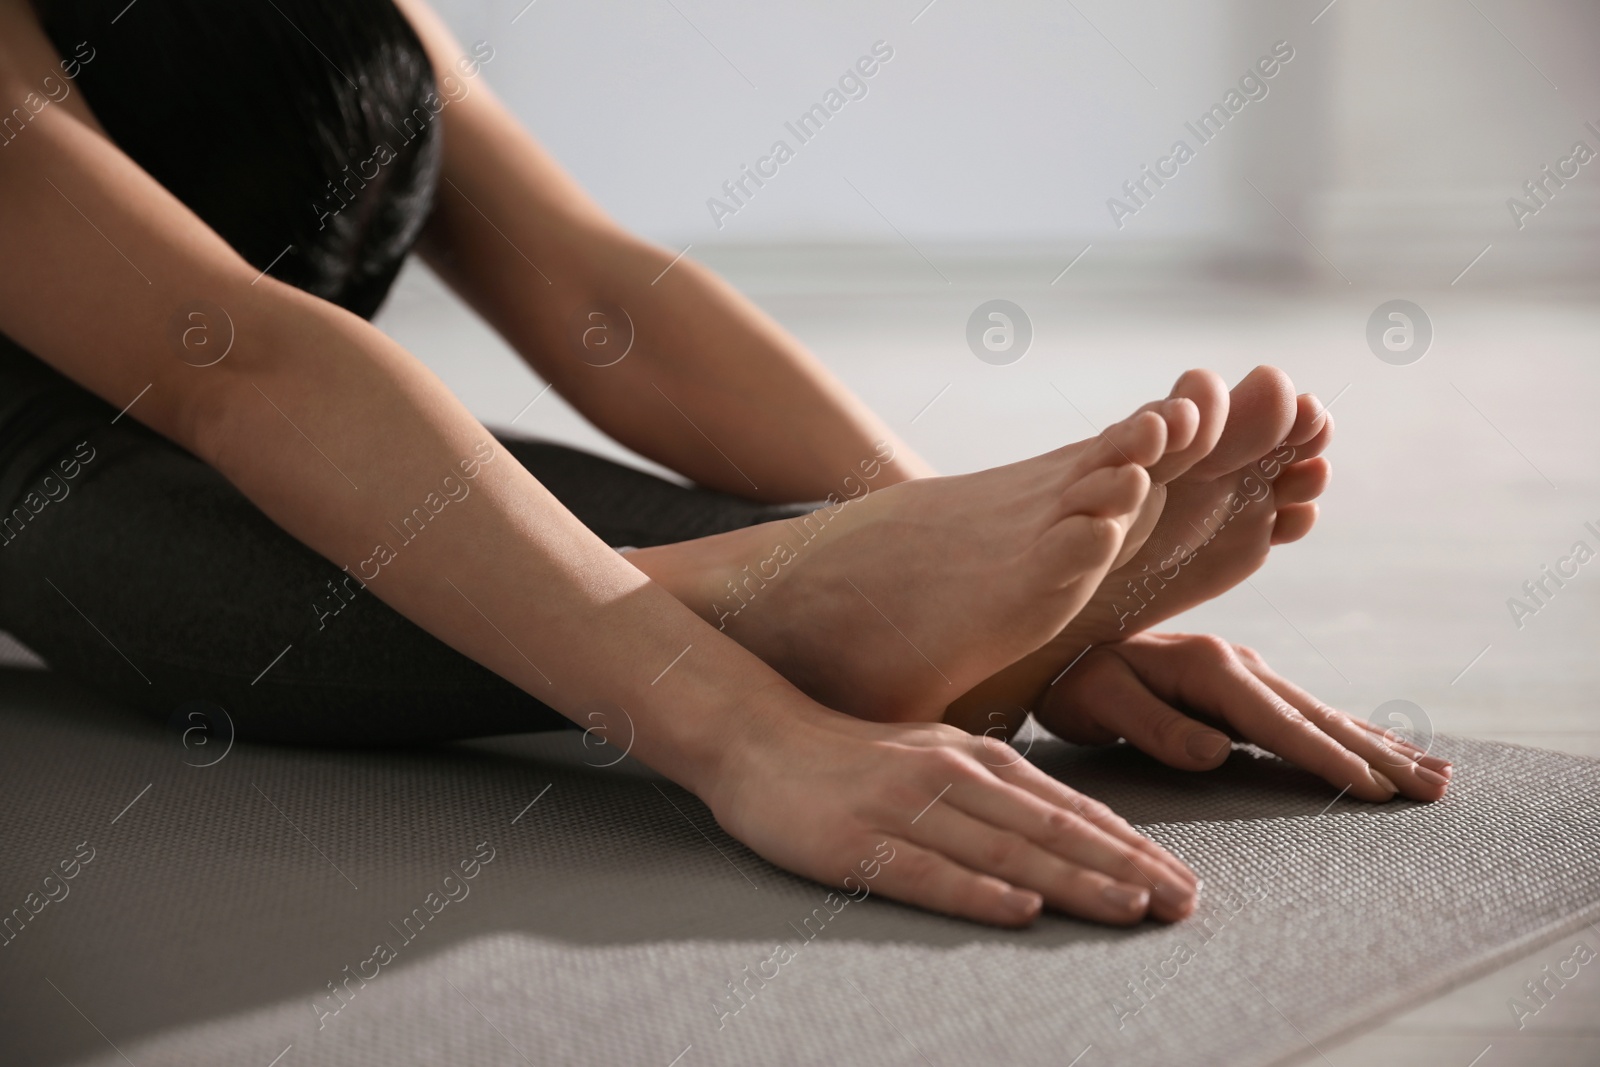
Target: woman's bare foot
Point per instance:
(1211, 519)
(891, 605)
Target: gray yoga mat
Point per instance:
(220, 902)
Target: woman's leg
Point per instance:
(140, 570)
(133, 567)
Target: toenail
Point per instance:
(1206, 744)
(1175, 404)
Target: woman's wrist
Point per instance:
(705, 749)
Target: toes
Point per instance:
(1182, 417)
(1302, 482)
(1110, 492)
(1261, 412)
(1293, 522)
(1318, 442)
(1140, 438)
(1209, 394)
(1087, 543)
(1308, 418)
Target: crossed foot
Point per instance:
(949, 597)
(892, 605)
(1246, 482)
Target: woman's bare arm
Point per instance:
(712, 388)
(336, 433)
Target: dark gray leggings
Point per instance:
(134, 568)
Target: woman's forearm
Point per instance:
(358, 451)
(711, 387)
(718, 391)
(345, 441)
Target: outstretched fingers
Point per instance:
(1416, 752)
(1181, 697)
(1173, 885)
(928, 878)
(997, 822)
(1414, 774)
(1109, 694)
(1064, 884)
(1219, 681)
(1077, 864)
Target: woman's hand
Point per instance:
(1170, 694)
(931, 815)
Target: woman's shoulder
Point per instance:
(289, 128)
(34, 74)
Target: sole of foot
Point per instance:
(890, 605)
(1246, 482)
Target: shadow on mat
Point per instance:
(257, 879)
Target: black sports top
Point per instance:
(299, 130)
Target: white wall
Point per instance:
(1394, 135)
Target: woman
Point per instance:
(197, 215)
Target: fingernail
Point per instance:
(1187, 877)
(1393, 757)
(1020, 902)
(1174, 895)
(1434, 763)
(1430, 776)
(1382, 782)
(1123, 898)
(1206, 744)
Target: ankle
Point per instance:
(697, 573)
(1000, 704)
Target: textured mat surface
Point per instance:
(220, 906)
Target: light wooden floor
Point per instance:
(1455, 480)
